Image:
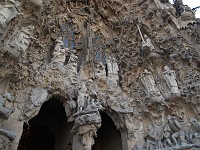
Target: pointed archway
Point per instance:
(108, 137)
(49, 130)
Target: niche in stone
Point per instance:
(108, 137)
(49, 130)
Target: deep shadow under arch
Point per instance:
(108, 137)
(48, 130)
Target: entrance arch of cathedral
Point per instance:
(108, 137)
(48, 130)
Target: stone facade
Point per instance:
(136, 60)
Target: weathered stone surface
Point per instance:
(138, 61)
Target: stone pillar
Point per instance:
(127, 143)
(77, 145)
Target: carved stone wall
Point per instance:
(136, 60)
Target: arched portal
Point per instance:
(108, 137)
(48, 130)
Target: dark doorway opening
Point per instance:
(48, 130)
(108, 137)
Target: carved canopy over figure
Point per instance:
(8, 10)
(170, 77)
(150, 84)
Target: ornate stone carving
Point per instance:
(8, 10)
(170, 78)
(150, 84)
(59, 54)
(18, 43)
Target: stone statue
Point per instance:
(147, 43)
(195, 125)
(170, 78)
(151, 138)
(166, 135)
(73, 63)
(195, 131)
(59, 54)
(8, 10)
(149, 84)
(113, 68)
(20, 41)
(82, 96)
(93, 105)
(178, 133)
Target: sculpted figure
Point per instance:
(170, 78)
(150, 84)
(166, 135)
(178, 133)
(20, 41)
(195, 131)
(59, 53)
(113, 68)
(93, 105)
(8, 10)
(147, 43)
(73, 63)
(195, 125)
(151, 138)
(82, 95)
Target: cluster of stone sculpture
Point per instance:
(173, 135)
(150, 84)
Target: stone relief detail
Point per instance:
(18, 43)
(59, 54)
(170, 78)
(149, 83)
(9, 10)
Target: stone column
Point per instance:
(77, 145)
(127, 143)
